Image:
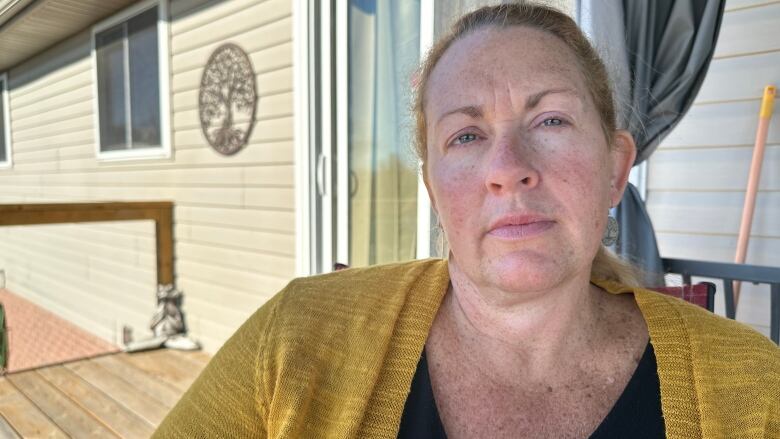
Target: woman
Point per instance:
(529, 329)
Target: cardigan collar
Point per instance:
(668, 335)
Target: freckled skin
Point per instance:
(523, 345)
(570, 164)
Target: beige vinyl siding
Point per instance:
(697, 177)
(234, 217)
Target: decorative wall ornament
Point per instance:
(228, 99)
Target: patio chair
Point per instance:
(730, 272)
(702, 294)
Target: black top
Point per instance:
(636, 414)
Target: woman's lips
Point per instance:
(515, 231)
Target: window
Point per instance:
(5, 124)
(131, 79)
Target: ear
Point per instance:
(623, 155)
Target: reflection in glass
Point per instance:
(3, 155)
(384, 48)
(111, 88)
(144, 79)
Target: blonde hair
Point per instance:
(605, 265)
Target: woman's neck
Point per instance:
(533, 330)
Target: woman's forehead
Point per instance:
(518, 59)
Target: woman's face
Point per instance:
(518, 167)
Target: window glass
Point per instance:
(128, 84)
(384, 50)
(111, 88)
(144, 80)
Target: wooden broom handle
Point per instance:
(765, 114)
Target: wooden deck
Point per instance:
(118, 395)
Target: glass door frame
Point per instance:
(322, 135)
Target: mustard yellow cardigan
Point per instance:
(333, 356)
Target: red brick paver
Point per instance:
(37, 337)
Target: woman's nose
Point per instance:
(510, 168)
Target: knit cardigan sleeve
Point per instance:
(330, 356)
(228, 398)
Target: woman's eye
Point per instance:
(464, 138)
(552, 122)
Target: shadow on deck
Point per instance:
(116, 395)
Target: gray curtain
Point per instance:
(669, 45)
(667, 48)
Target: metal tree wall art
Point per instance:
(228, 99)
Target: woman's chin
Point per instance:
(524, 272)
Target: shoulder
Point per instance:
(369, 286)
(728, 363)
(327, 305)
(366, 281)
(724, 351)
(714, 344)
(704, 328)
(668, 317)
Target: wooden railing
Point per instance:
(168, 322)
(161, 212)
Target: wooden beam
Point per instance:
(164, 233)
(161, 212)
(28, 214)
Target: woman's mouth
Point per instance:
(520, 227)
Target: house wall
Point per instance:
(234, 216)
(697, 177)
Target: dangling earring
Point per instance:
(611, 233)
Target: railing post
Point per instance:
(728, 288)
(774, 319)
(163, 225)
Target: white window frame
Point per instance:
(8, 163)
(163, 51)
(424, 235)
(302, 77)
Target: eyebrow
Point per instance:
(475, 112)
(535, 98)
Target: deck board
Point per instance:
(23, 416)
(6, 431)
(197, 360)
(161, 391)
(71, 418)
(107, 411)
(140, 403)
(119, 395)
(163, 366)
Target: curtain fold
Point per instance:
(669, 45)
